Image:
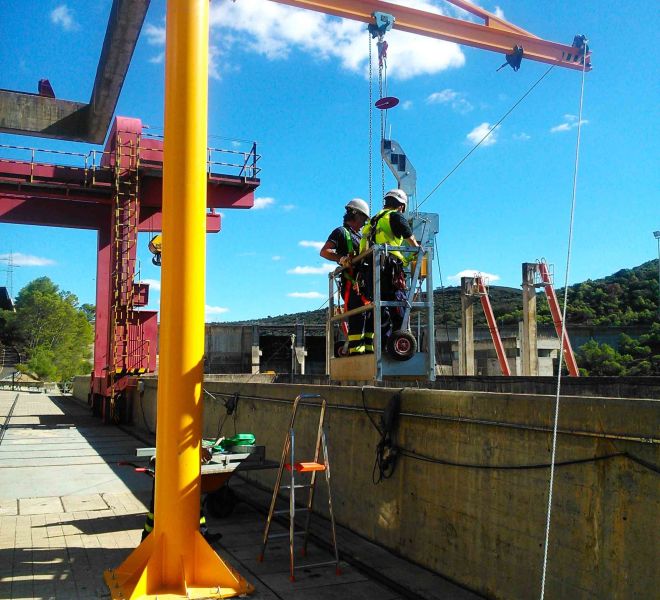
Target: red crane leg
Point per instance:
(492, 325)
(569, 356)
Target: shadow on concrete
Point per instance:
(72, 572)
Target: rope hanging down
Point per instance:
(563, 336)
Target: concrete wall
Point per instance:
(483, 528)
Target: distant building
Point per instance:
(300, 349)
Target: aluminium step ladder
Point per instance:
(297, 469)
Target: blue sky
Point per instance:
(296, 82)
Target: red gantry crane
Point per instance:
(118, 193)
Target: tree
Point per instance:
(53, 331)
(601, 359)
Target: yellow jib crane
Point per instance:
(175, 560)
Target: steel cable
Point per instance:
(483, 139)
(563, 336)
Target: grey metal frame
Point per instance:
(421, 362)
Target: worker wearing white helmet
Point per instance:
(390, 227)
(342, 245)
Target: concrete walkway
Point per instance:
(67, 512)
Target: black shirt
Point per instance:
(338, 238)
(399, 225)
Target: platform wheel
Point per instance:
(401, 345)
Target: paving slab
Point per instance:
(77, 503)
(40, 506)
(8, 507)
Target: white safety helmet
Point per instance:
(359, 205)
(399, 195)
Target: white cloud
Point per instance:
(489, 277)
(455, 99)
(277, 258)
(522, 136)
(26, 260)
(479, 132)
(261, 203)
(155, 35)
(311, 295)
(442, 97)
(275, 31)
(288, 207)
(406, 104)
(312, 270)
(570, 122)
(310, 244)
(154, 284)
(216, 310)
(214, 61)
(63, 16)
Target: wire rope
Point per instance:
(563, 337)
(371, 121)
(382, 127)
(485, 137)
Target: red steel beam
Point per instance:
(50, 211)
(492, 325)
(496, 35)
(569, 356)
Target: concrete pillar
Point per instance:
(466, 345)
(256, 352)
(299, 349)
(528, 338)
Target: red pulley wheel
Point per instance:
(387, 102)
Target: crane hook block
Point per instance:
(514, 59)
(582, 44)
(383, 22)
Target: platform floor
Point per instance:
(67, 512)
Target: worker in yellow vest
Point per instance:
(390, 227)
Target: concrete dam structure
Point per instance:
(467, 497)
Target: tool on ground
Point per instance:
(295, 468)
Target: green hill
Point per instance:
(627, 297)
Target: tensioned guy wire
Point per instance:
(563, 337)
(483, 139)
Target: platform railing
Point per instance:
(241, 161)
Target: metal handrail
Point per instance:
(245, 167)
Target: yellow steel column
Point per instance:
(175, 559)
(181, 345)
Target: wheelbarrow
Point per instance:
(220, 500)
